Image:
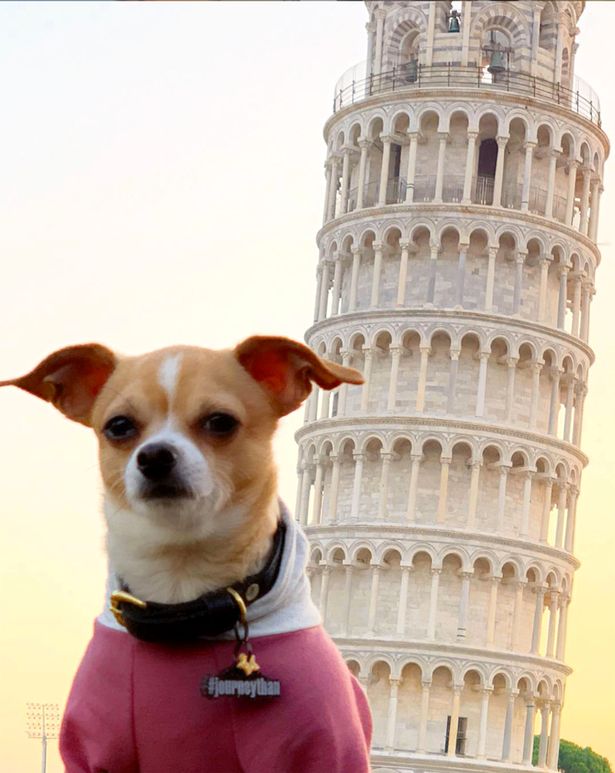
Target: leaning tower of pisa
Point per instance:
(456, 271)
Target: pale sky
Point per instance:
(161, 181)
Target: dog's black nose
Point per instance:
(156, 461)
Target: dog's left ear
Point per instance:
(287, 368)
(70, 378)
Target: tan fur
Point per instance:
(176, 550)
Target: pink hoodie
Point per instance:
(137, 707)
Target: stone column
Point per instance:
(503, 480)
(335, 486)
(354, 278)
(420, 395)
(484, 713)
(305, 495)
(515, 644)
(443, 137)
(553, 605)
(508, 722)
(317, 503)
(328, 177)
(392, 396)
(490, 279)
(528, 736)
(403, 273)
(403, 600)
(519, 263)
(577, 277)
(431, 29)
(473, 497)
(561, 629)
(579, 402)
(461, 272)
(570, 520)
(493, 602)
(422, 739)
(469, 171)
(431, 282)
(411, 167)
(563, 294)
(596, 189)
(585, 200)
(369, 352)
(433, 603)
(546, 510)
(345, 177)
(482, 383)
(452, 380)
(554, 737)
(356, 487)
(414, 480)
(386, 457)
(333, 182)
(341, 408)
(454, 726)
(337, 286)
(587, 292)
(499, 171)
(572, 182)
(324, 291)
(443, 494)
(537, 625)
(464, 603)
(570, 384)
(561, 514)
(364, 145)
(384, 171)
(544, 735)
(373, 599)
(347, 598)
(380, 15)
(324, 405)
(555, 400)
(511, 364)
(318, 291)
(542, 292)
(375, 296)
(527, 501)
(559, 45)
(324, 592)
(527, 175)
(536, 366)
(466, 13)
(392, 714)
(554, 154)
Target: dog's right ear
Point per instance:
(70, 378)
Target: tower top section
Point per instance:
(533, 38)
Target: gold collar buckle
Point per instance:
(121, 597)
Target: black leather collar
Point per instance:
(211, 614)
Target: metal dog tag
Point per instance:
(243, 679)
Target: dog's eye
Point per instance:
(219, 424)
(119, 428)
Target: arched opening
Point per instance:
(497, 55)
(487, 160)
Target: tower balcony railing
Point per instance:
(452, 193)
(354, 86)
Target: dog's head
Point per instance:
(184, 433)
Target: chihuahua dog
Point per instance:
(209, 656)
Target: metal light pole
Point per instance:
(42, 721)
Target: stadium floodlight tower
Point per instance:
(456, 271)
